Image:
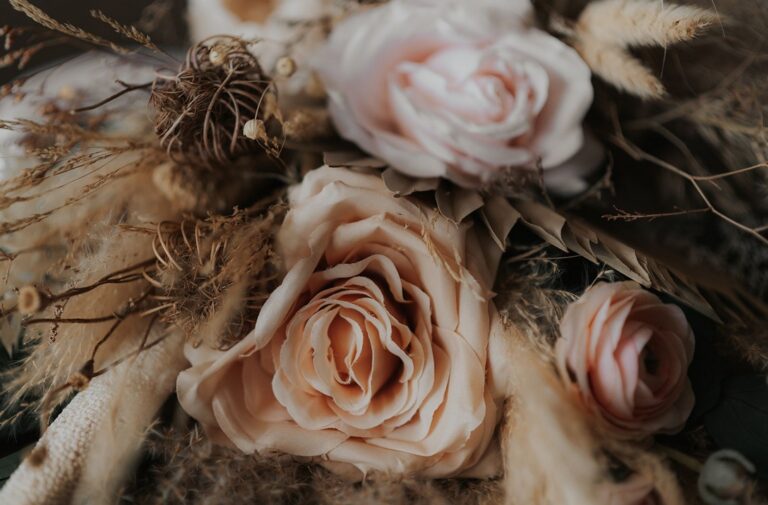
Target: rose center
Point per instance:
(650, 361)
(354, 341)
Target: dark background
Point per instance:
(169, 30)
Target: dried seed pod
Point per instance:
(200, 112)
(254, 129)
(285, 66)
(726, 479)
(30, 301)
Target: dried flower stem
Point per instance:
(636, 152)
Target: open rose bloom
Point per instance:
(462, 90)
(373, 351)
(627, 354)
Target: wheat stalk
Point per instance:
(130, 32)
(37, 15)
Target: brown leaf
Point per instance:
(716, 297)
(457, 203)
(499, 217)
(403, 185)
(352, 159)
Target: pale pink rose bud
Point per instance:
(627, 354)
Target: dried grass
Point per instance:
(530, 297)
(39, 16)
(214, 275)
(607, 28)
(631, 23)
(186, 468)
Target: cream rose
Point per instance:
(462, 91)
(373, 351)
(627, 354)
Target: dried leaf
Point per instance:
(352, 159)
(457, 203)
(547, 223)
(499, 217)
(403, 185)
(720, 299)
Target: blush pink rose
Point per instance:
(627, 354)
(463, 90)
(372, 353)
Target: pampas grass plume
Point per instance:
(629, 23)
(607, 28)
(616, 66)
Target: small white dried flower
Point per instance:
(285, 66)
(726, 479)
(218, 55)
(67, 93)
(254, 129)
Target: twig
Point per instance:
(636, 152)
(624, 215)
(128, 88)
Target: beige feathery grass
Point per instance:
(643, 22)
(616, 66)
(549, 449)
(606, 29)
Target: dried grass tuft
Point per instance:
(214, 275)
(39, 16)
(531, 298)
(186, 468)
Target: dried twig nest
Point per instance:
(201, 111)
(215, 273)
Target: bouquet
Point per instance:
(397, 251)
